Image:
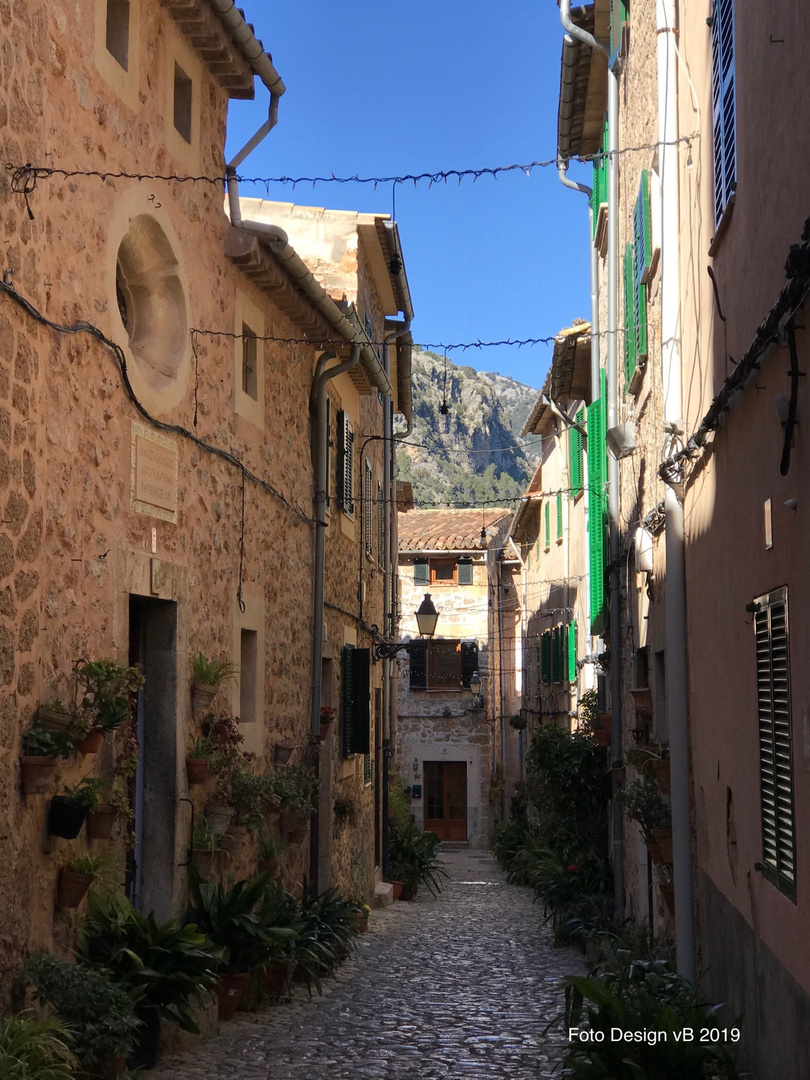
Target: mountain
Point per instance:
(473, 454)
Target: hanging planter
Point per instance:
(51, 718)
(283, 752)
(37, 773)
(218, 816)
(65, 817)
(233, 837)
(196, 770)
(230, 992)
(91, 743)
(72, 887)
(100, 821)
(203, 860)
(202, 696)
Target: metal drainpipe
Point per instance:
(323, 375)
(676, 681)
(613, 465)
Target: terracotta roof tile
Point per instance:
(448, 530)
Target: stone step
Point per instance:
(383, 894)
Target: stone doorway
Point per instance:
(446, 799)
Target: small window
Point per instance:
(559, 516)
(724, 106)
(443, 571)
(442, 664)
(345, 464)
(380, 525)
(250, 371)
(117, 38)
(368, 509)
(248, 664)
(182, 103)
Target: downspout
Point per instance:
(323, 376)
(520, 651)
(676, 674)
(612, 462)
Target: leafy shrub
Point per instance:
(35, 1048)
(37, 742)
(412, 858)
(97, 1012)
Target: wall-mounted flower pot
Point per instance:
(218, 816)
(52, 720)
(233, 837)
(65, 817)
(72, 887)
(196, 770)
(37, 773)
(662, 843)
(293, 826)
(203, 860)
(100, 821)
(283, 752)
(325, 729)
(360, 919)
(229, 993)
(91, 743)
(201, 696)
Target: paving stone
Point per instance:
(463, 985)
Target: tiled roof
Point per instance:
(448, 530)
(568, 376)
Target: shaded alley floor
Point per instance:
(459, 986)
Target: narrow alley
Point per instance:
(459, 986)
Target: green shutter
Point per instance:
(619, 14)
(547, 523)
(559, 515)
(559, 649)
(346, 463)
(597, 469)
(421, 572)
(629, 317)
(642, 259)
(545, 657)
(572, 651)
(465, 572)
(600, 181)
(575, 457)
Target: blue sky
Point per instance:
(382, 89)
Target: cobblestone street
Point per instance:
(461, 986)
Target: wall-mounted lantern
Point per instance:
(426, 618)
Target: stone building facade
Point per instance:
(449, 746)
(156, 438)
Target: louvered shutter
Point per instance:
(572, 651)
(775, 741)
(600, 183)
(545, 657)
(418, 665)
(597, 516)
(619, 10)
(380, 525)
(547, 523)
(368, 524)
(469, 662)
(559, 649)
(642, 259)
(347, 695)
(360, 742)
(465, 572)
(345, 463)
(328, 491)
(724, 118)
(421, 572)
(629, 316)
(559, 515)
(575, 457)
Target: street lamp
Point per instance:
(426, 618)
(475, 689)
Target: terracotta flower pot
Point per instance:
(229, 993)
(398, 887)
(51, 720)
(201, 696)
(100, 821)
(92, 743)
(203, 860)
(276, 979)
(37, 773)
(603, 738)
(72, 887)
(65, 817)
(360, 921)
(233, 837)
(218, 816)
(196, 770)
(325, 729)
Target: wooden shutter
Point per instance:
(356, 691)
(347, 696)
(545, 657)
(368, 521)
(572, 651)
(547, 523)
(597, 515)
(465, 571)
(629, 316)
(469, 662)
(559, 515)
(418, 664)
(600, 182)
(575, 457)
(559, 649)
(380, 525)
(345, 463)
(421, 572)
(775, 741)
(619, 12)
(642, 259)
(328, 451)
(724, 120)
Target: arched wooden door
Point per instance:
(446, 799)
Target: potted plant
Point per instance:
(413, 860)
(54, 716)
(41, 753)
(67, 812)
(282, 752)
(327, 717)
(652, 760)
(106, 703)
(249, 794)
(360, 913)
(165, 967)
(207, 676)
(295, 788)
(344, 810)
(76, 878)
(198, 758)
(98, 1012)
(35, 1046)
(518, 722)
(101, 819)
(643, 803)
(268, 851)
(204, 847)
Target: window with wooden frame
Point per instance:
(250, 363)
(380, 525)
(775, 741)
(345, 463)
(724, 106)
(368, 507)
(355, 716)
(443, 572)
(442, 664)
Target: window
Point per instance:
(368, 509)
(117, 31)
(572, 651)
(597, 510)
(464, 572)
(355, 699)
(250, 367)
(345, 463)
(637, 263)
(182, 103)
(775, 740)
(443, 571)
(559, 516)
(442, 664)
(547, 524)
(380, 525)
(576, 456)
(248, 661)
(724, 106)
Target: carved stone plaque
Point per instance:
(154, 473)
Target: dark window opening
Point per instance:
(117, 38)
(250, 371)
(182, 103)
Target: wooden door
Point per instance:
(446, 799)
